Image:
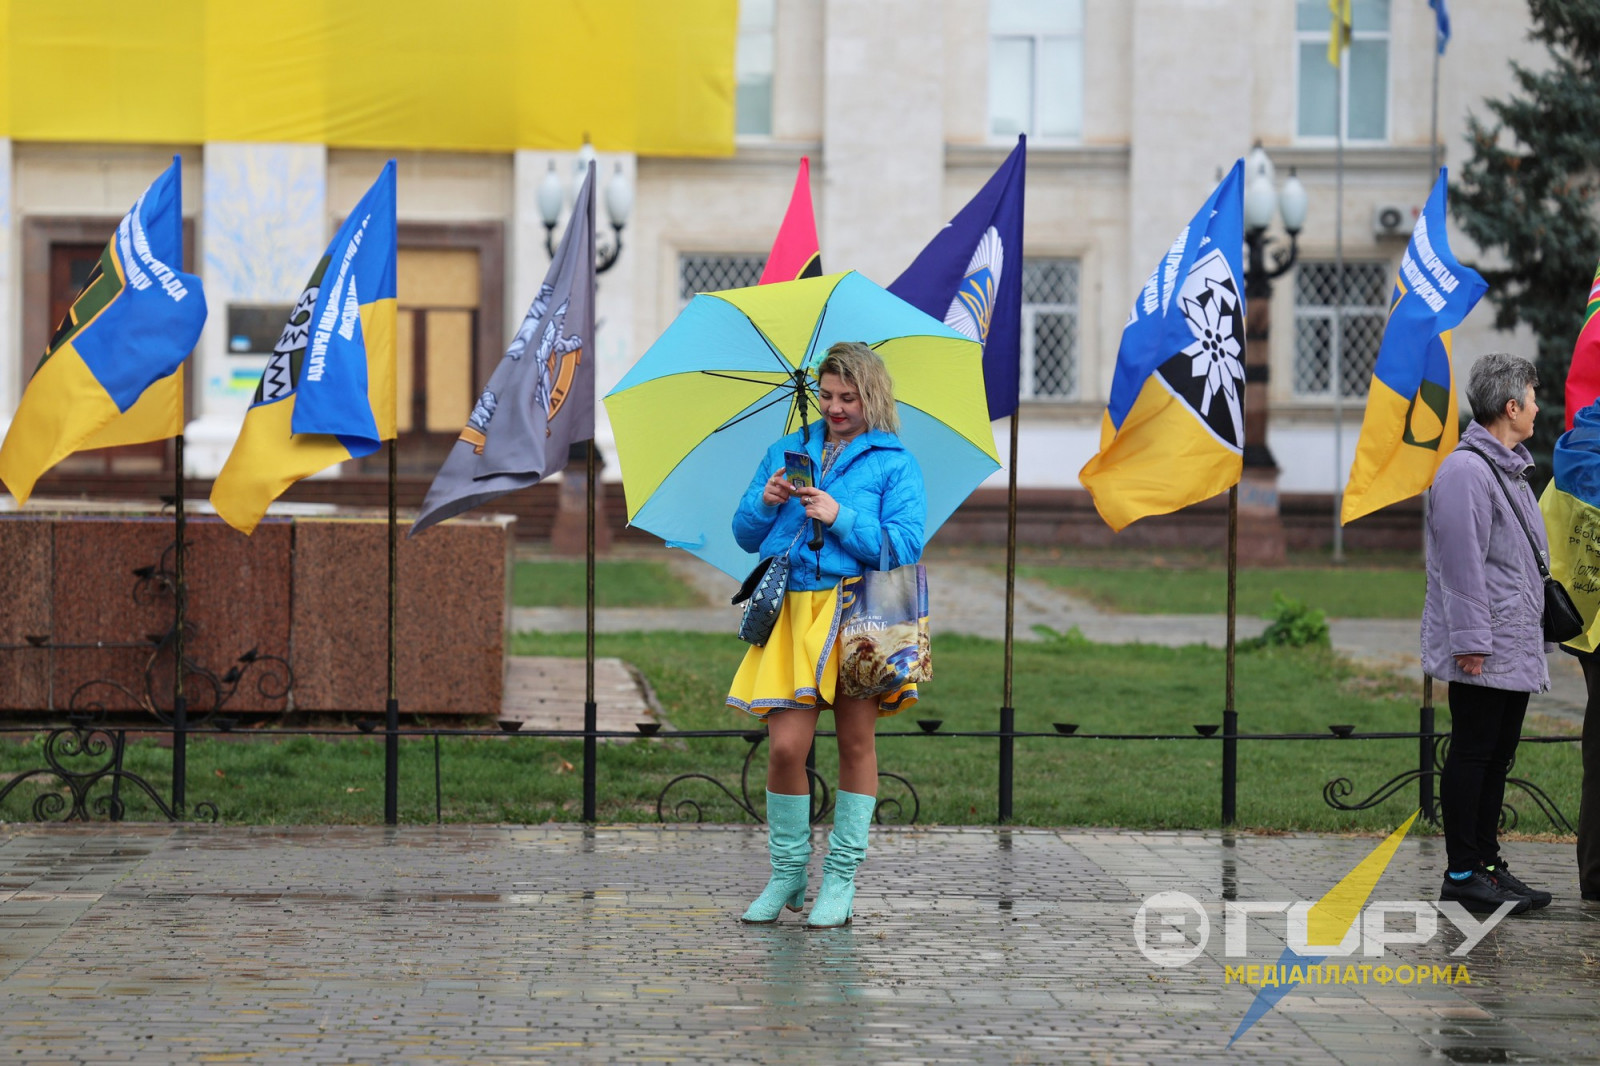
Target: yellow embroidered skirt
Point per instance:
(798, 667)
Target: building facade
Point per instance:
(1132, 109)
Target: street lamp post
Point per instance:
(554, 194)
(1261, 533)
(579, 524)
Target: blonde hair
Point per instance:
(860, 367)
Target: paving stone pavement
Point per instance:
(556, 944)
(545, 692)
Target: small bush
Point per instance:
(1292, 624)
(1072, 638)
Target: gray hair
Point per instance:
(1497, 379)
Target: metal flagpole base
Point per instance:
(590, 724)
(1230, 767)
(391, 763)
(180, 754)
(1008, 719)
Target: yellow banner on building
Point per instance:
(479, 75)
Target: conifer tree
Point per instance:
(1529, 196)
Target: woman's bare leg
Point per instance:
(856, 722)
(789, 735)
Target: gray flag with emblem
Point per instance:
(540, 399)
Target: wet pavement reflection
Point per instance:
(619, 943)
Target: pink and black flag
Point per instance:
(796, 253)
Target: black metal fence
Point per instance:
(86, 758)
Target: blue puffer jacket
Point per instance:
(878, 486)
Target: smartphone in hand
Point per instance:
(797, 469)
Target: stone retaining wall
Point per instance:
(310, 590)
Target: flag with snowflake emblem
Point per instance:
(1173, 431)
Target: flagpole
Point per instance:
(391, 742)
(590, 710)
(591, 714)
(180, 702)
(1336, 373)
(180, 595)
(1008, 716)
(1425, 724)
(1230, 717)
(391, 706)
(1433, 133)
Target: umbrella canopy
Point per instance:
(699, 409)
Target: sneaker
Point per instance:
(1479, 894)
(1506, 879)
(1590, 902)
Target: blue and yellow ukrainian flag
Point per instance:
(1411, 422)
(1571, 508)
(1173, 431)
(328, 392)
(113, 372)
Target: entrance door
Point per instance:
(436, 345)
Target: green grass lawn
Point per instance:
(617, 583)
(1059, 781)
(1341, 592)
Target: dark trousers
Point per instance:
(1589, 798)
(1485, 725)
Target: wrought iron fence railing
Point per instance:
(86, 758)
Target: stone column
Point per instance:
(883, 134)
(1192, 117)
(1188, 124)
(263, 228)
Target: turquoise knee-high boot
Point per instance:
(789, 841)
(847, 846)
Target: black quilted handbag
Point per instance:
(762, 596)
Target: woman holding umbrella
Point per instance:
(869, 499)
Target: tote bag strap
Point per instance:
(1538, 556)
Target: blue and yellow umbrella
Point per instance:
(729, 377)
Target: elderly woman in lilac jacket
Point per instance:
(1482, 624)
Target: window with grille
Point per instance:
(1366, 306)
(715, 271)
(1050, 329)
(1364, 69)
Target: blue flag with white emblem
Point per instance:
(970, 277)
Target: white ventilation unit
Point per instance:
(1393, 220)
